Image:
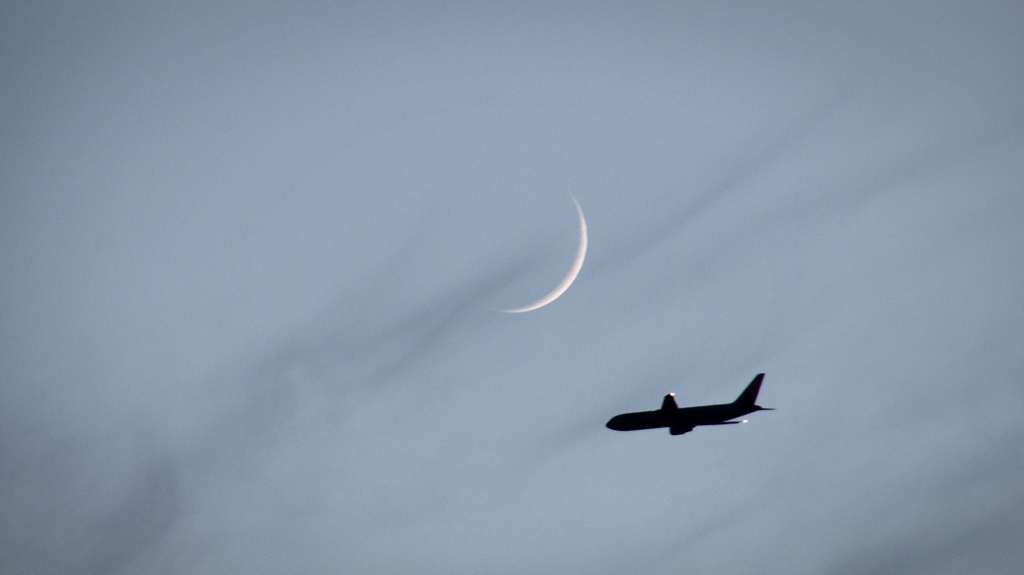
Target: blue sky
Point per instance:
(251, 256)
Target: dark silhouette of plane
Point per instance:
(680, 420)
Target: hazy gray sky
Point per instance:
(249, 256)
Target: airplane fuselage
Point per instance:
(681, 417)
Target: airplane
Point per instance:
(680, 420)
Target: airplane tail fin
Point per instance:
(749, 395)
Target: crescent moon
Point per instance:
(577, 265)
